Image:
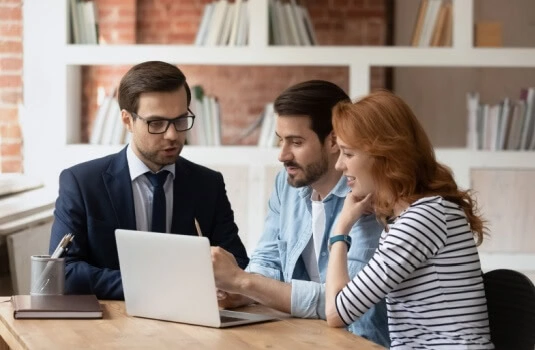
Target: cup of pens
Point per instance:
(48, 275)
(48, 271)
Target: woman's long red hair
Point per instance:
(405, 168)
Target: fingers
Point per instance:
(221, 295)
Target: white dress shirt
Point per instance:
(142, 191)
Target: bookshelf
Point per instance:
(52, 96)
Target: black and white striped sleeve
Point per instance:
(415, 237)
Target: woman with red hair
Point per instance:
(427, 265)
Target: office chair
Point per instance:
(511, 306)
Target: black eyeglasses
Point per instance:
(160, 125)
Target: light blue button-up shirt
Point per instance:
(287, 231)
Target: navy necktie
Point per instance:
(159, 217)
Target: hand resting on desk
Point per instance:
(231, 300)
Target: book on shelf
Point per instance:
(488, 34)
(235, 23)
(254, 125)
(528, 125)
(267, 137)
(98, 123)
(515, 127)
(108, 127)
(223, 23)
(55, 306)
(304, 36)
(290, 24)
(440, 26)
(508, 125)
(242, 36)
(433, 26)
(472, 100)
(417, 31)
(200, 38)
(227, 25)
(295, 39)
(206, 130)
(504, 125)
(84, 22)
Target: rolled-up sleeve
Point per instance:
(308, 299)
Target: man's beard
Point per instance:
(153, 157)
(312, 172)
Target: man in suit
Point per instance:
(146, 186)
(288, 267)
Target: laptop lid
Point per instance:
(170, 277)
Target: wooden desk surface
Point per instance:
(117, 330)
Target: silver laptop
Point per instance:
(170, 277)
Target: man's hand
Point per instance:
(227, 273)
(230, 300)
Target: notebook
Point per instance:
(170, 277)
(56, 306)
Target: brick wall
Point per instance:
(337, 22)
(10, 85)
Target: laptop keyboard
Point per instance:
(226, 319)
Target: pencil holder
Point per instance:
(48, 275)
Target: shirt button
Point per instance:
(323, 254)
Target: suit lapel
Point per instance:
(119, 187)
(183, 200)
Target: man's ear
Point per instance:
(127, 121)
(331, 141)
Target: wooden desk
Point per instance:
(117, 330)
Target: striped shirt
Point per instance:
(427, 267)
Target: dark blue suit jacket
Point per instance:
(95, 198)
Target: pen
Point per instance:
(63, 245)
(197, 227)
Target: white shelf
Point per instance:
(318, 55)
(460, 160)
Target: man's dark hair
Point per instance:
(315, 99)
(150, 76)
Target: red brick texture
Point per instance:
(10, 85)
(337, 22)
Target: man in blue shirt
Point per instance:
(288, 267)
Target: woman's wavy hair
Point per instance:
(405, 168)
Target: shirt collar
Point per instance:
(138, 168)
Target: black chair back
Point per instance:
(511, 306)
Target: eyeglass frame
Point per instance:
(169, 121)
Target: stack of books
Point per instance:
(224, 23)
(508, 125)
(434, 24)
